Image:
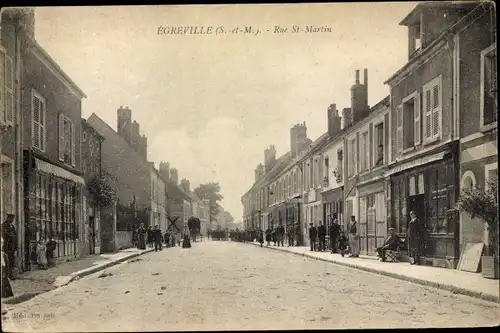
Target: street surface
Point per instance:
(227, 285)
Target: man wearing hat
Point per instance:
(391, 243)
(9, 235)
(313, 233)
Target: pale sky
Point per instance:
(211, 104)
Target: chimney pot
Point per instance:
(357, 76)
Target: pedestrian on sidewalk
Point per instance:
(134, 236)
(41, 255)
(157, 238)
(313, 234)
(281, 235)
(186, 243)
(9, 247)
(289, 233)
(342, 241)
(167, 239)
(354, 238)
(51, 247)
(391, 243)
(268, 236)
(415, 239)
(261, 237)
(6, 286)
(141, 237)
(334, 233)
(150, 237)
(322, 236)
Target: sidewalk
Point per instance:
(460, 282)
(30, 284)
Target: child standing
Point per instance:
(342, 241)
(41, 255)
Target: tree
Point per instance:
(483, 204)
(210, 192)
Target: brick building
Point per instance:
(91, 168)
(53, 182)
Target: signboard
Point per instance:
(470, 258)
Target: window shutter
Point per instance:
(436, 107)
(61, 137)
(399, 129)
(417, 122)
(9, 90)
(2, 85)
(427, 115)
(355, 157)
(73, 145)
(35, 121)
(43, 114)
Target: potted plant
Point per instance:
(483, 204)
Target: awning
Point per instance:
(415, 163)
(58, 171)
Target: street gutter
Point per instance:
(447, 287)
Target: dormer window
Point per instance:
(415, 38)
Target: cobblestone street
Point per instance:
(227, 285)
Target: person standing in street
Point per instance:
(157, 238)
(51, 246)
(322, 236)
(268, 236)
(353, 238)
(150, 237)
(141, 237)
(290, 232)
(415, 239)
(281, 235)
(313, 234)
(342, 241)
(6, 286)
(9, 235)
(334, 233)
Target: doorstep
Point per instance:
(460, 282)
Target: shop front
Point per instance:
(372, 219)
(333, 202)
(431, 191)
(52, 209)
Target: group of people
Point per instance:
(338, 239)
(217, 234)
(154, 237)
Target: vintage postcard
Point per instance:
(249, 167)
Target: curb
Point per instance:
(73, 277)
(447, 287)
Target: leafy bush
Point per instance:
(101, 190)
(483, 204)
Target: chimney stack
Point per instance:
(334, 120)
(174, 176)
(165, 170)
(185, 185)
(124, 123)
(359, 99)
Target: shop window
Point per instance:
(488, 93)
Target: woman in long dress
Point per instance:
(41, 255)
(141, 237)
(186, 243)
(6, 287)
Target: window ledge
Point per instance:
(487, 128)
(378, 167)
(431, 141)
(364, 173)
(408, 150)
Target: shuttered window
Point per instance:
(6, 88)
(432, 100)
(399, 129)
(38, 117)
(67, 140)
